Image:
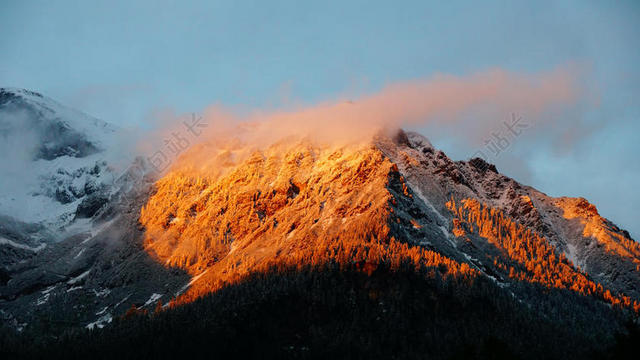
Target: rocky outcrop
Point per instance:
(139, 240)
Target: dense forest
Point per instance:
(333, 311)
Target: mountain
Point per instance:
(297, 202)
(385, 231)
(57, 171)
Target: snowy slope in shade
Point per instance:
(97, 131)
(57, 160)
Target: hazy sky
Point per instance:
(125, 61)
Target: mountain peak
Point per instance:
(231, 208)
(55, 158)
(481, 165)
(293, 199)
(8, 92)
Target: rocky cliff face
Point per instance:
(394, 199)
(293, 203)
(573, 227)
(298, 202)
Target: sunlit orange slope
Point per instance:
(224, 213)
(293, 203)
(598, 228)
(525, 255)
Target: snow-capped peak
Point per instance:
(56, 160)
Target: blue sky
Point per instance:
(125, 61)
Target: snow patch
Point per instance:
(95, 230)
(102, 311)
(121, 301)
(48, 290)
(428, 203)
(193, 280)
(572, 254)
(101, 322)
(79, 277)
(154, 297)
(43, 300)
(101, 293)
(5, 241)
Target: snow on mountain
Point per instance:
(397, 188)
(123, 239)
(571, 225)
(57, 164)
